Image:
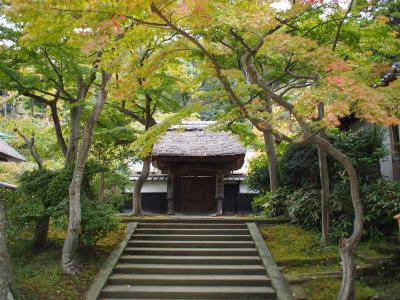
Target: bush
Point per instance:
(44, 194)
(299, 166)
(273, 204)
(258, 179)
(381, 201)
(299, 163)
(364, 147)
(304, 207)
(98, 220)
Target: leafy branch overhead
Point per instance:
(144, 144)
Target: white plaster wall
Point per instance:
(161, 187)
(244, 189)
(151, 187)
(386, 162)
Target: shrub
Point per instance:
(299, 163)
(381, 201)
(43, 194)
(258, 179)
(364, 147)
(98, 220)
(304, 207)
(299, 166)
(273, 204)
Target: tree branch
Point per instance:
(30, 143)
(341, 25)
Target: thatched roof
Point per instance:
(8, 153)
(198, 143)
(7, 185)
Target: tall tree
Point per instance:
(50, 73)
(313, 75)
(69, 254)
(5, 263)
(157, 79)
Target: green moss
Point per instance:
(316, 268)
(293, 242)
(327, 289)
(286, 241)
(299, 247)
(38, 275)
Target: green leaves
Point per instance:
(144, 144)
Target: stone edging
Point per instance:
(101, 278)
(277, 280)
(227, 220)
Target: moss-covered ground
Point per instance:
(38, 275)
(299, 252)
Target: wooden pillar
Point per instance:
(171, 192)
(394, 150)
(219, 190)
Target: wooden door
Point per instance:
(195, 194)
(231, 192)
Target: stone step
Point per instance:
(186, 280)
(193, 225)
(190, 269)
(198, 260)
(192, 231)
(191, 244)
(192, 237)
(166, 299)
(387, 249)
(191, 251)
(188, 292)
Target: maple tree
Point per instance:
(83, 84)
(295, 72)
(149, 85)
(291, 72)
(106, 43)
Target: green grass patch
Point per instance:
(327, 289)
(38, 275)
(302, 252)
(286, 241)
(311, 268)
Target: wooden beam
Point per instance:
(171, 183)
(219, 190)
(394, 149)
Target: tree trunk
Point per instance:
(270, 149)
(272, 161)
(5, 263)
(347, 247)
(136, 203)
(101, 186)
(57, 127)
(324, 178)
(75, 133)
(31, 146)
(69, 259)
(41, 231)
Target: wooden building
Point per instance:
(197, 171)
(8, 153)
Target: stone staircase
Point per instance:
(189, 261)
